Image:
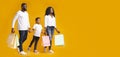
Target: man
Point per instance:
(23, 26)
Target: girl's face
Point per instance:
(38, 21)
(51, 10)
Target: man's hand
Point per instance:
(29, 30)
(12, 31)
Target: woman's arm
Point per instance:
(57, 30)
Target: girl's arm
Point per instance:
(31, 30)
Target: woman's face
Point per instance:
(51, 10)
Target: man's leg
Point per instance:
(21, 33)
(25, 35)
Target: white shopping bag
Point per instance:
(59, 40)
(13, 41)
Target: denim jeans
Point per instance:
(50, 32)
(23, 37)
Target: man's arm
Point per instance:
(13, 22)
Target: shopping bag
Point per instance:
(59, 40)
(17, 40)
(13, 41)
(45, 41)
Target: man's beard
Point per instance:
(24, 9)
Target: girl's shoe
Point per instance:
(36, 52)
(51, 51)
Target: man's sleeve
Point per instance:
(28, 22)
(14, 20)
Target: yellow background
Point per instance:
(91, 27)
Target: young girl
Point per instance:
(50, 25)
(37, 28)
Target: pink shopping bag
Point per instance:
(45, 40)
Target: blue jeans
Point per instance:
(50, 32)
(23, 37)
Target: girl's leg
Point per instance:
(35, 45)
(31, 42)
(36, 41)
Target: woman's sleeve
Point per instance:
(46, 21)
(55, 23)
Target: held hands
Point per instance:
(30, 30)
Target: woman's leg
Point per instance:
(51, 35)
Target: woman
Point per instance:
(50, 25)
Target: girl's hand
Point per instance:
(30, 30)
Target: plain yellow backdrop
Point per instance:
(90, 27)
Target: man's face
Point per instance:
(24, 7)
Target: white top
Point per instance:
(38, 29)
(50, 21)
(23, 20)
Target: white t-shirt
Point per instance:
(23, 20)
(50, 21)
(38, 29)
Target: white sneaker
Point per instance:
(36, 52)
(51, 51)
(23, 53)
